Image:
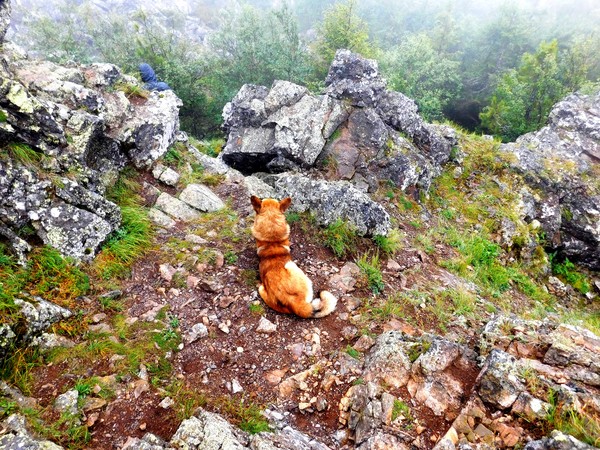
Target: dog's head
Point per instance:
(270, 223)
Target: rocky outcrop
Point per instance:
(560, 164)
(68, 131)
(330, 201)
(36, 316)
(4, 18)
(360, 131)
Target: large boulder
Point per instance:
(358, 130)
(4, 18)
(560, 165)
(330, 201)
(70, 130)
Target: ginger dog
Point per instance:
(284, 287)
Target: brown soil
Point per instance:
(209, 365)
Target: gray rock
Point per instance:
(201, 198)
(401, 113)
(558, 162)
(19, 438)
(77, 195)
(4, 18)
(198, 331)
(388, 360)
(330, 201)
(48, 341)
(67, 402)
(153, 129)
(148, 442)
(288, 439)
(433, 382)
(165, 174)
(266, 326)
(19, 246)
(498, 383)
(207, 431)
(160, 218)
(176, 208)
(246, 109)
(354, 78)
(558, 441)
(72, 231)
(39, 315)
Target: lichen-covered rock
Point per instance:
(7, 340)
(207, 431)
(67, 402)
(330, 201)
(72, 231)
(498, 383)
(39, 315)
(354, 78)
(4, 18)
(153, 129)
(201, 198)
(388, 359)
(18, 437)
(437, 376)
(558, 441)
(560, 163)
(78, 130)
(354, 130)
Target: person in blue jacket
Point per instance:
(149, 77)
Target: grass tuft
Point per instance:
(340, 237)
(370, 269)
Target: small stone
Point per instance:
(143, 426)
(303, 406)
(92, 419)
(112, 295)
(274, 376)
(420, 429)
(224, 328)
(167, 271)
(195, 239)
(321, 404)
(197, 331)
(393, 266)
(92, 403)
(224, 302)
(236, 387)
(96, 318)
(352, 303)
(219, 259)
(266, 326)
(364, 343)
(240, 349)
(297, 350)
(482, 431)
(166, 403)
(192, 281)
(349, 332)
(174, 292)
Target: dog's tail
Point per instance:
(326, 305)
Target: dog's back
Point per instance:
(285, 288)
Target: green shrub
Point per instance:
(567, 271)
(340, 237)
(389, 244)
(369, 266)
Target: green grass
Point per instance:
(248, 416)
(567, 271)
(135, 235)
(340, 237)
(583, 424)
(132, 90)
(230, 257)
(389, 244)
(257, 309)
(353, 352)
(210, 147)
(174, 158)
(369, 266)
(401, 409)
(47, 274)
(22, 153)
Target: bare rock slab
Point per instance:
(201, 198)
(176, 208)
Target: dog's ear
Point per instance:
(256, 203)
(285, 204)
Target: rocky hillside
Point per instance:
(130, 317)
